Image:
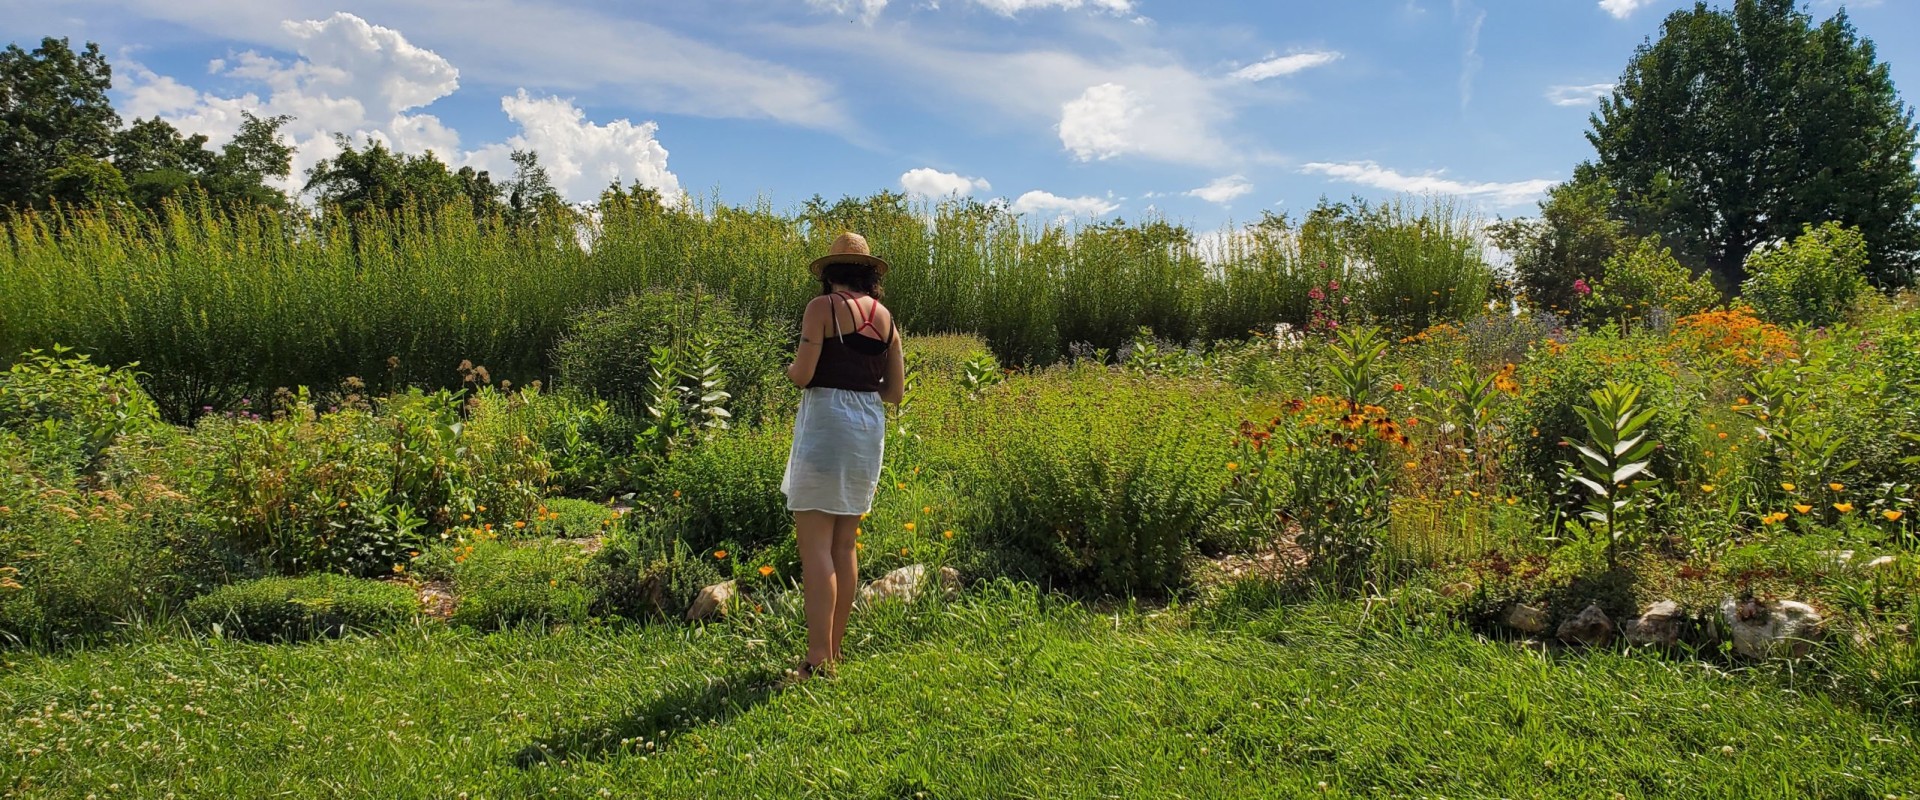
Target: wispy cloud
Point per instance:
(1621, 9)
(1012, 7)
(1039, 202)
(929, 183)
(1578, 95)
(869, 10)
(1470, 61)
(1371, 174)
(1223, 190)
(1285, 65)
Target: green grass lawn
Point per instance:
(1002, 695)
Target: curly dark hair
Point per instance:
(858, 277)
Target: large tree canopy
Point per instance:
(1739, 126)
(53, 108)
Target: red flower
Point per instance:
(1399, 387)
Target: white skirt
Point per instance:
(838, 441)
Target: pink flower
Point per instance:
(1316, 294)
(1581, 288)
(1333, 286)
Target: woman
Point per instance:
(849, 362)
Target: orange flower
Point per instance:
(719, 554)
(766, 570)
(1233, 465)
(343, 504)
(926, 509)
(1892, 516)
(1803, 508)
(1844, 508)
(909, 527)
(676, 494)
(948, 534)
(1706, 487)
(1788, 486)
(519, 525)
(1837, 487)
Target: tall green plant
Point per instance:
(1614, 458)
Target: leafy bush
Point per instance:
(647, 574)
(68, 410)
(289, 609)
(1642, 278)
(357, 492)
(501, 584)
(566, 518)
(1093, 483)
(1561, 377)
(610, 352)
(1813, 279)
(729, 490)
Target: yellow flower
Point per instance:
(1803, 508)
(1844, 508)
(900, 486)
(1892, 516)
(766, 570)
(465, 517)
(343, 504)
(1706, 487)
(926, 509)
(1837, 487)
(1412, 464)
(859, 546)
(1513, 501)
(719, 554)
(676, 494)
(1788, 486)
(1474, 495)
(909, 527)
(948, 534)
(483, 508)
(1233, 465)
(903, 551)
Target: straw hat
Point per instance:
(849, 248)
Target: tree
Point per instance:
(1741, 125)
(53, 107)
(530, 195)
(1572, 240)
(84, 182)
(357, 182)
(163, 165)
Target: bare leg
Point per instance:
(846, 571)
(816, 532)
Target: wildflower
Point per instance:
(483, 508)
(1892, 516)
(909, 527)
(766, 570)
(1773, 518)
(1788, 486)
(859, 546)
(519, 525)
(1581, 288)
(903, 551)
(1233, 465)
(1837, 487)
(719, 554)
(1513, 501)
(1706, 487)
(899, 486)
(399, 569)
(343, 504)
(676, 494)
(1399, 387)
(949, 534)
(926, 509)
(1412, 464)
(553, 583)
(1802, 508)
(1474, 495)
(1723, 434)
(1844, 508)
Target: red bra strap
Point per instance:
(865, 318)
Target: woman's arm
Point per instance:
(894, 388)
(807, 357)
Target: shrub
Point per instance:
(501, 584)
(361, 493)
(610, 352)
(68, 410)
(291, 609)
(729, 489)
(1101, 483)
(1644, 278)
(647, 574)
(1813, 279)
(565, 518)
(1559, 378)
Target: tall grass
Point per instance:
(215, 307)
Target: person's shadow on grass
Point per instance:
(657, 723)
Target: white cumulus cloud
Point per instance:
(1578, 95)
(1223, 190)
(1285, 65)
(932, 184)
(1371, 174)
(1099, 124)
(1039, 202)
(1011, 7)
(1621, 9)
(368, 81)
(869, 10)
(581, 157)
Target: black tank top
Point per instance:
(855, 362)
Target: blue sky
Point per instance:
(1199, 110)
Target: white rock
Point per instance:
(1658, 626)
(1590, 627)
(1784, 628)
(713, 600)
(904, 584)
(1526, 619)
